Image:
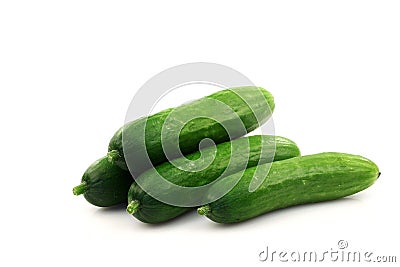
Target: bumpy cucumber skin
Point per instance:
(194, 131)
(306, 179)
(153, 211)
(106, 184)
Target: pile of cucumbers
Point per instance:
(261, 172)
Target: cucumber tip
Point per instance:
(112, 156)
(79, 189)
(132, 207)
(204, 210)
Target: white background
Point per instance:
(68, 70)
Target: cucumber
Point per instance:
(140, 140)
(97, 185)
(307, 179)
(104, 184)
(150, 210)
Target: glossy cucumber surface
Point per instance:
(140, 140)
(104, 184)
(150, 210)
(300, 180)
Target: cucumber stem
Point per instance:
(132, 206)
(80, 189)
(112, 156)
(204, 210)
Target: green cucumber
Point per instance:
(142, 137)
(97, 182)
(150, 210)
(104, 184)
(307, 179)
